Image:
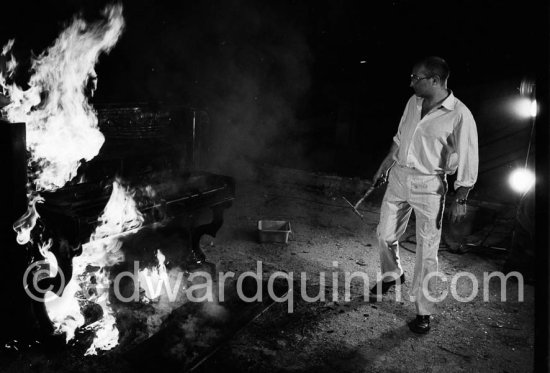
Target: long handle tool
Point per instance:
(381, 181)
(353, 207)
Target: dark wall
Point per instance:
(283, 81)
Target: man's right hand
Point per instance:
(382, 170)
(387, 163)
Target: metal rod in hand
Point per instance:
(367, 193)
(353, 207)
(380, 181)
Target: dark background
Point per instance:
(314, 85)
(284, 85)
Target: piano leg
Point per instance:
(211, 229)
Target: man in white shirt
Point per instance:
(437, 136)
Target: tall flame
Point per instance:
(62, 127)
(103, 251)
(62, 131)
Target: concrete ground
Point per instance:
(485, 334)
(481, 335)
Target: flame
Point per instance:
(164, 291)
(106, 331)
(11, 64)
(50, 258)
(25, 224)
(119, 217)
(62, 127)
(62, 131)
(152, 280)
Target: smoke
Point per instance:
(264, 77)
(245, 63)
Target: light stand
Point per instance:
(523, 223)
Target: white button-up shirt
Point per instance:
(444, 141)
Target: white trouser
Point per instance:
(425, 194)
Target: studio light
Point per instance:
(526, 107)
(521, 180)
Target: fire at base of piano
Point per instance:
(152, 153)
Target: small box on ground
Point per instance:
(274, 230)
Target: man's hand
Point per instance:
(382, 170)
(458, 212)
(387, 163)
(377, 175)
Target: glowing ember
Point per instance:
(90, 281)
(61, 125)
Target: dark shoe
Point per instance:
(383, 287)
(420, 325)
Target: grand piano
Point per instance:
(153, 149)
(156, 151)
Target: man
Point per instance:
(437, 136)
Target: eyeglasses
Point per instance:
(415, 78)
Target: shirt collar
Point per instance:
(449, 103)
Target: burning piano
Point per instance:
(82, 180)
(154, 151)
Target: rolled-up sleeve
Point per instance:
(467, 150)
(397, 137)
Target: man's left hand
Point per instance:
(458, 212)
